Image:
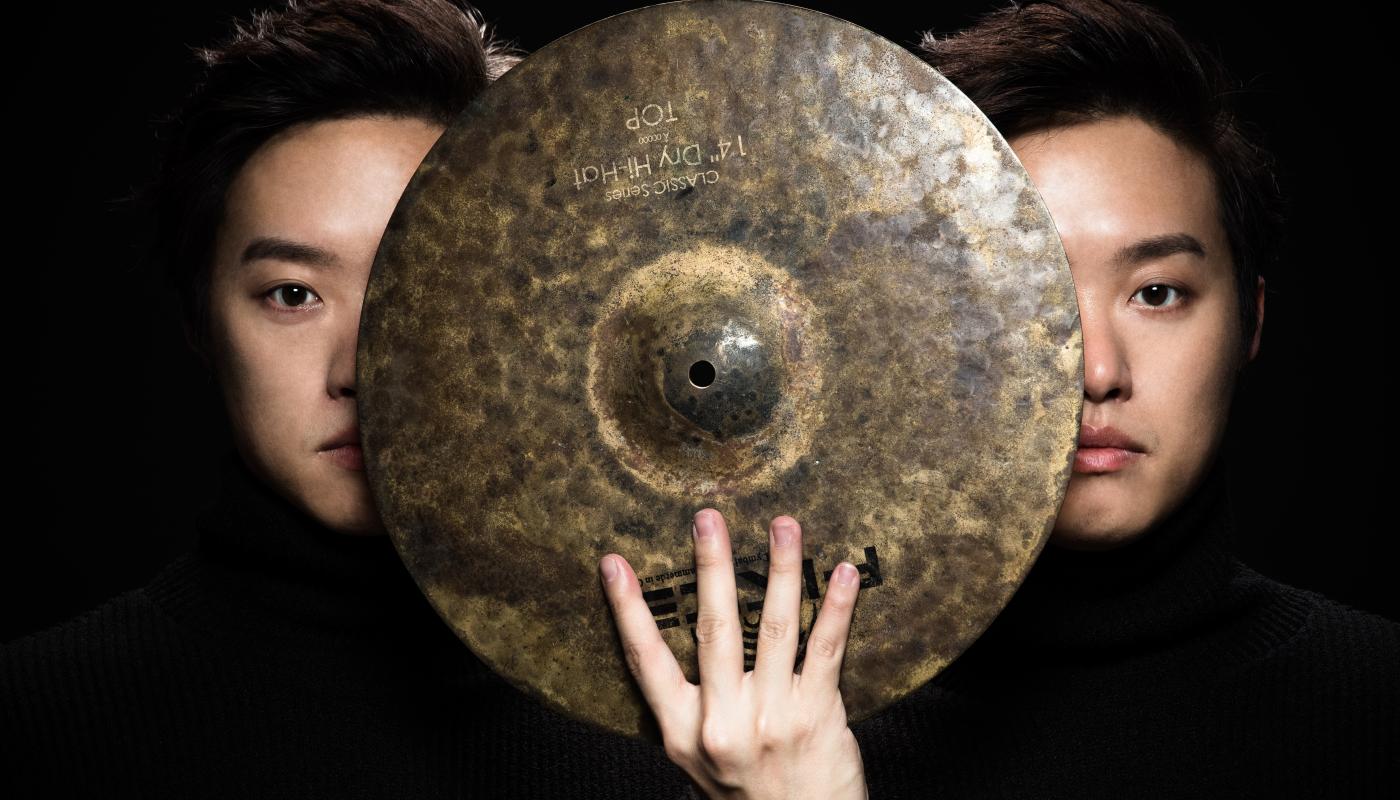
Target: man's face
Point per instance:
(292, 259)
(1152, 270)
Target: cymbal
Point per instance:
(731, 254)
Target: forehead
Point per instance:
(332, 183)
(1112, 180)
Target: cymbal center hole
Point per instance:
(702, 374)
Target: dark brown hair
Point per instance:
(309, 60)
(1050, 63)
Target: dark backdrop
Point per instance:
(114, 438)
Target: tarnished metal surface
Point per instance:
(801, 205)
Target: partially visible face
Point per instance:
(291, 263)
(1140, 223)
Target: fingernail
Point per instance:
(783, 533)
(845, 574)
(701, 531)
(610, 570)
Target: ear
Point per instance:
(1259, 322)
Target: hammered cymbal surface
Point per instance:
(731, 254)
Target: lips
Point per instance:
(349, 436)
(344, 449)
(1105, 449)
(1108, 436)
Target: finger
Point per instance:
(649, 658)
(826, 644)
(782, 607)
(719, 644)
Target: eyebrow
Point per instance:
(1155, 247)
(273, 247)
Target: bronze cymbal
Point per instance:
(731, 254)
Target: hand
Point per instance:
(769, 733)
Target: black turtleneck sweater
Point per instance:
(281, 659)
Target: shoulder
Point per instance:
(1313, 635)
(98, 685)
(1315, 708)
(1321, 616)
(120, 642)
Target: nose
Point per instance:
(1106, 374)
(340, 378)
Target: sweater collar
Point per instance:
(1155, 591)
(266, 568)
(270, 569)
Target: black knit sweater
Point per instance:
(281, 659)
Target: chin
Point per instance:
(1091, 518)
(364, 527)
(342, 502)
(351, 519)
(356, 514)
(1077, 539)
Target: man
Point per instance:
(291, 654)
(1140, 658)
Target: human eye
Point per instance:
(1162, 296)
(291, 297)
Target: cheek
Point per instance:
(1186, 380)
(267, 378)
(1209, 368)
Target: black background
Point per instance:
(113, 438)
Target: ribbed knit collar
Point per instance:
(265, 570)
(1166, 590)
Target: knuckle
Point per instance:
(804, 726)
(775, 629)
(718, 744)
(771, 733)
(839, 601)
(635, 655)
(678, 752)
(709, 557)
(822, 646)
(710, 626)
(784, 564)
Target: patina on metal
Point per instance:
(730, 254)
